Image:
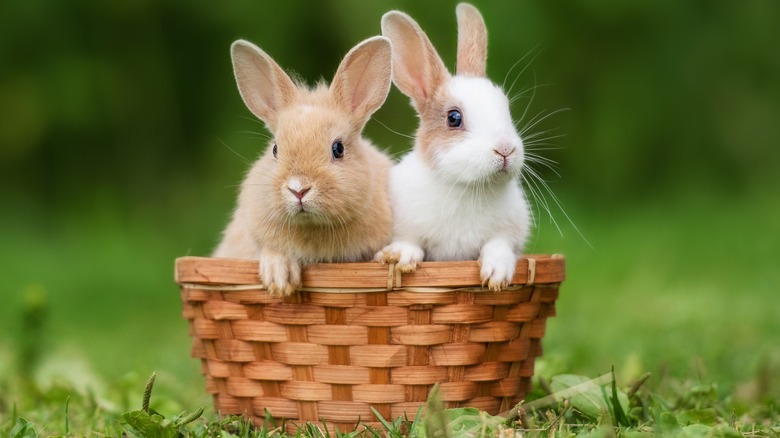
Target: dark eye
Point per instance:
(275, 150)
(454, 119)
(338, 149)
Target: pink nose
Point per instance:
(504, 150)
(299, 194)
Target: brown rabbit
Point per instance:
(319, 193)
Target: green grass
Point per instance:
(568, 406)
(679, 285)
(683, 285)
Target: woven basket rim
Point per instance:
(366, 276)
(380, 345)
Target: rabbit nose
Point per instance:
(297, 188)
(299, 193)
(504, 150)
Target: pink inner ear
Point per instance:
(263, 85)
(414, 63)
(417, 68)
(264, 97)
(362, 86)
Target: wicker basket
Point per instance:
(361, 335)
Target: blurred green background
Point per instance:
(123, 139)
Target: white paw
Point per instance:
(497, 266)
(406, 256)
(280, 275)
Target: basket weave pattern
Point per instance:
(361, 335)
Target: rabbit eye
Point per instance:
(454, 119)
(338, 149)
(275, 150)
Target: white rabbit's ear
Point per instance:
(263, 85)
(362, 80)
(418, 70)
(472, 41)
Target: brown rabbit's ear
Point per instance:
(263, 85)
(417, 69)
(362, 80)
(472, 41)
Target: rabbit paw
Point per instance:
(406, 256)
(497, 266)
(281, 276)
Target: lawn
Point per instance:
(682, 285)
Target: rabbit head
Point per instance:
(466, 133)
(319, 165)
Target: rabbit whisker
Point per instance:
(539, 199)
(392, 130)
(396, 154)
(539, 118)
(257, 137)
(547, 147)
(506, 76)
(243, 158)
(538, 135)
(537, 157)
(528, 104)
(557, 202)
(254, 120)
(523, 93)
(544, 162)
(549, 164)
(533, 58)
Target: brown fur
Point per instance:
(349, 215)
(433, 133)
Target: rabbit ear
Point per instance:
(263, 85)
(362, 80)
(472, 41)
(417, 69)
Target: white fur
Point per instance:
(487, 125)
(295, 183)
(456, 196)
(437, 219)
(450, 221)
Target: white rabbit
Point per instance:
(319, 193)
(456, 195)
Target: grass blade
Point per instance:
(191, 417)
(620, 417)
(638, 384)
(435, 418)
(67, 419)
(148, 393)
(391, 431)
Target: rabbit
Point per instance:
(456, 195)
(319, 193)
